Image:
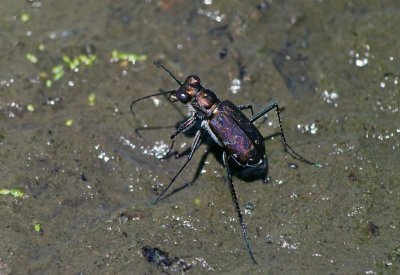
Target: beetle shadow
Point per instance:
(247, 174)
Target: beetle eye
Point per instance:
(193, 80)
(182, 96)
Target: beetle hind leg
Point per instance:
(286, 146)
(237, 207)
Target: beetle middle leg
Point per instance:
(237, 207)
(244, 107)
(286, 146)
(194, 178)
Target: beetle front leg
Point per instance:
(195, 145)
(183, 127)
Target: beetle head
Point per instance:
(188, 89)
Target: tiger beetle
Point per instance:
(242, 144)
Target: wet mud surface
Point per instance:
(76, 178)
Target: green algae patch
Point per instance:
(48, 83)
(31, 58)
(75, 62)
(92, 99)
(69, 122)
(117, 56)
(25, 17)
(30, 107)
(58, 72)
(15, 192)
(37, 227)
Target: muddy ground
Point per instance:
(86, 177)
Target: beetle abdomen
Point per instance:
(238, 136)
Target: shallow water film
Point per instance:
(78, 171)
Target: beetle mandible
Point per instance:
(241, 142)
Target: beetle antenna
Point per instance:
(158, 64)
(147, 96)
